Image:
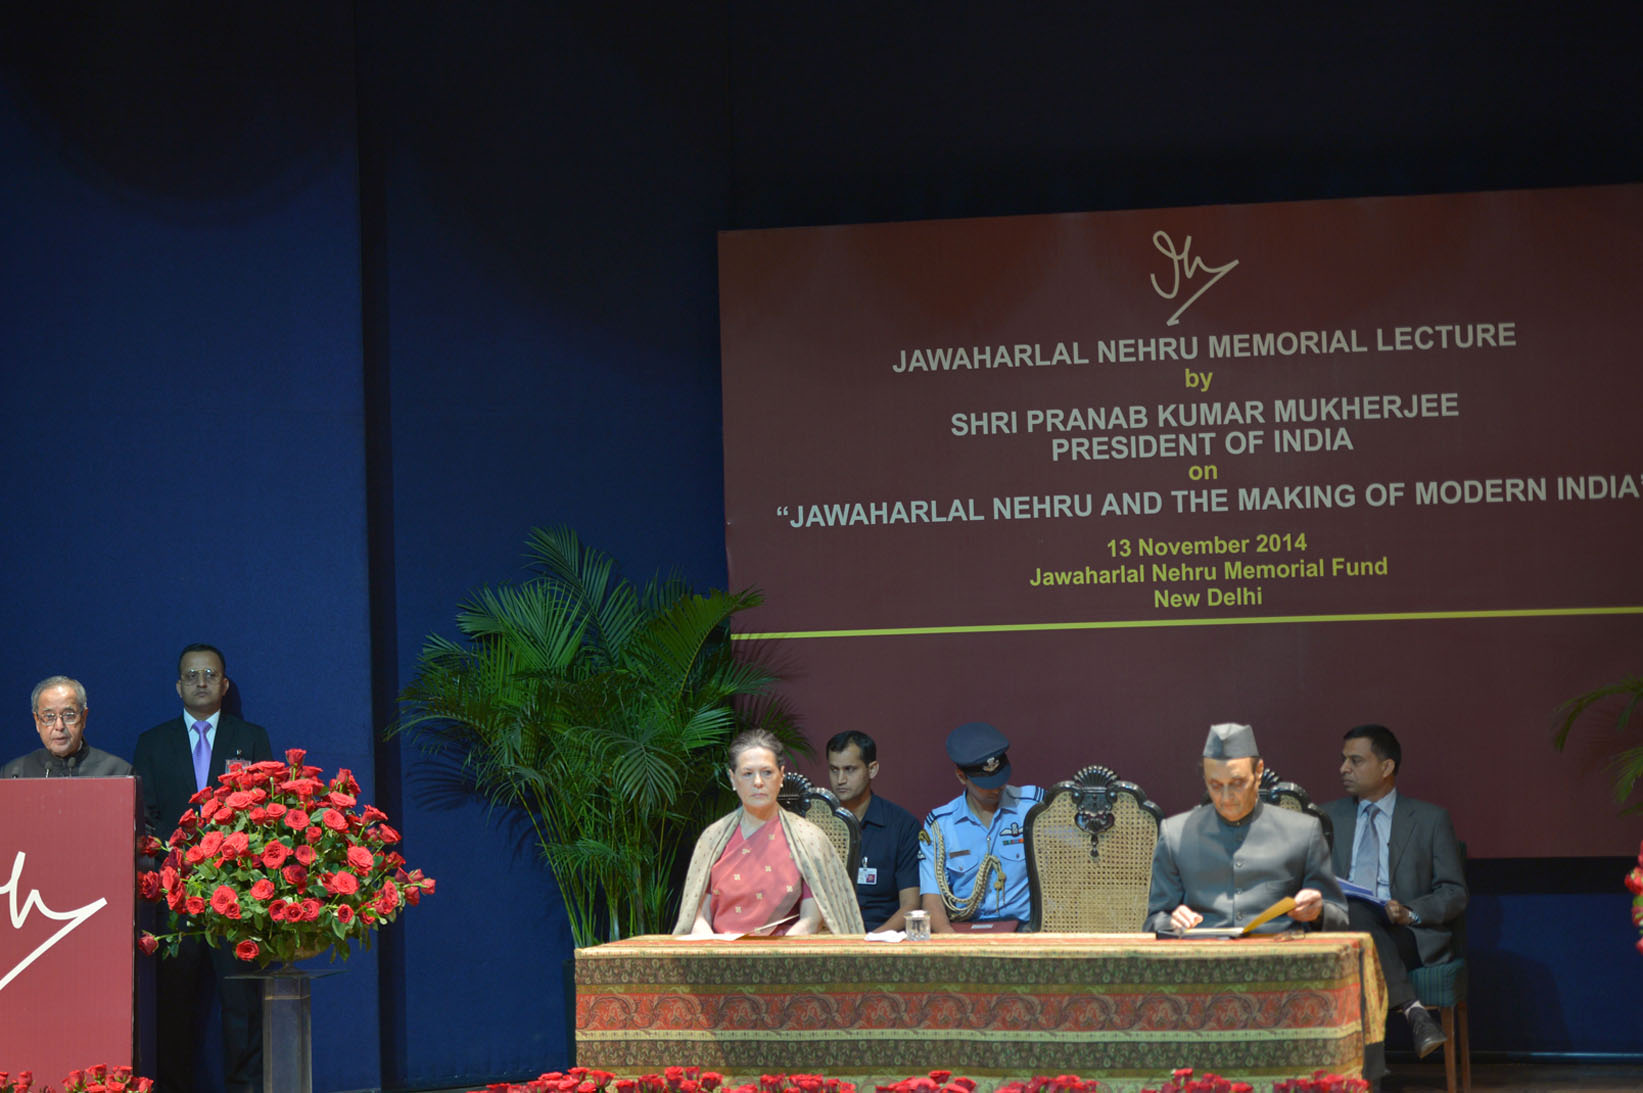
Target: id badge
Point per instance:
(865, 875)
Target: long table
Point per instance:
(1126, 1009)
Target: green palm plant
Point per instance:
(599, 711)
(1626, 764)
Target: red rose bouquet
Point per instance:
(278, 865)
(1634, 885)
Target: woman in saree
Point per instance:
(761, 869)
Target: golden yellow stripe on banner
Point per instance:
(1147, 624)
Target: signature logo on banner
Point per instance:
(13, 888)
(1184, 266)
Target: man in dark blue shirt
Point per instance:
(887, 876)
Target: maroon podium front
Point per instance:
(68, 894)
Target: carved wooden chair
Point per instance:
(823, 809)
(1275, 790)
(1089, 854)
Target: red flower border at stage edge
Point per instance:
(682, 1079)
(97, 1079)
(277, 864)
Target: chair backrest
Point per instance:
(821, 808)
(1288, 795)
(1089, 854)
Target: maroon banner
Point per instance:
(1106, 478)
(67, 944)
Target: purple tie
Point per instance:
(202, 754)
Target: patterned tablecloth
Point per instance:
(1123, 1008)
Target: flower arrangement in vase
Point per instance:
(278, 864)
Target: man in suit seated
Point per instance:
(175, 759)
(1223, 863)
(59, 705)
(1405, 852)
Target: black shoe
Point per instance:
(1428, 1036)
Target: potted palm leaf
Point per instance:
(600, 712)
(1627, 764)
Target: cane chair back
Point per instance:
(1089, 854)
(823, 809)
(1275, 790)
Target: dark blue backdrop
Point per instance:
(309, 313)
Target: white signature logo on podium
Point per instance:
(13, 888)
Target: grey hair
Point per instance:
(757, 738)
(57, 681)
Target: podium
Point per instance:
(68, 902)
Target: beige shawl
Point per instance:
(812, 852)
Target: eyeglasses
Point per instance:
(69, 718)
(195, 675)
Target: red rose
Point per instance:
(195, 855)
(148, 886)
(368, 915)
(240, 799)
(373, 814)
(233, 911)
(273, 855)
(305, 854)
(148, 943)
(311, 909)
(276, 910)
(296, 875)
(388, 898)
(246, 950)
(262, 889)
(413, 896)
(314, 833)
(296, 819)
(211, 842)
(195, 905)
(344, 913)
(360, 859)
(1634, 881)
(334, 820)
(295, 756)
(150, 847)
(1640, 945)
(144, 1085)
(293, 912)
(387, 834)
(276, 810)
(341, 800)
(236, 845)
(343, 883)
(259, 815)
(393, 859)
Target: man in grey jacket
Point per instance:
(59, 705)
(1225, 862)
(1404, 853)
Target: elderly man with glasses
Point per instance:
(59, 705)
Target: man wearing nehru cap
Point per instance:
(972, 865)
(1225, 862)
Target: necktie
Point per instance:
(1366, 864)
(202, 754)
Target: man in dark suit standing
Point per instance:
(175, 760)
(1405, 852)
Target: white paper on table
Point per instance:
(886, 935)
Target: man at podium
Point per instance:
(59, 705)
